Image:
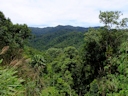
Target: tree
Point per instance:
(63, 70)
(14, 36)
(53, 53)
(112, 19)
(50, 91)
(38, 64)
(113, 84)
(100, 46)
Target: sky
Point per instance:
(50, 13)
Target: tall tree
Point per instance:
(12, 35)
(100, 46)
(112, 19)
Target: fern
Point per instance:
(10, 84)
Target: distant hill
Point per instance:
(59, 37)
(40, 31)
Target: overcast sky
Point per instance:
(47, 13)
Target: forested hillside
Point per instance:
(59, 28)
(57, 37)
(98, 68)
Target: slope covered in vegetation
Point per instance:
(57, 37)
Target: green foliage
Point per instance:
(57, 37)
(53, 53)
(29, 52)
(12, 35)
(112, 19)
(1, 61)
(93, 89)
(50, 91)
(10, 84)
(31, 89)
(106, 51)
(62, 70)
(38, 60)
(57, 40)
(100, 50)
(38, 64)
(98, 72)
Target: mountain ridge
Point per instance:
(58, 28)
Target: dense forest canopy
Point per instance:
(96, 65)
(57, 37)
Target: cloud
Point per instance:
(60, 12)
